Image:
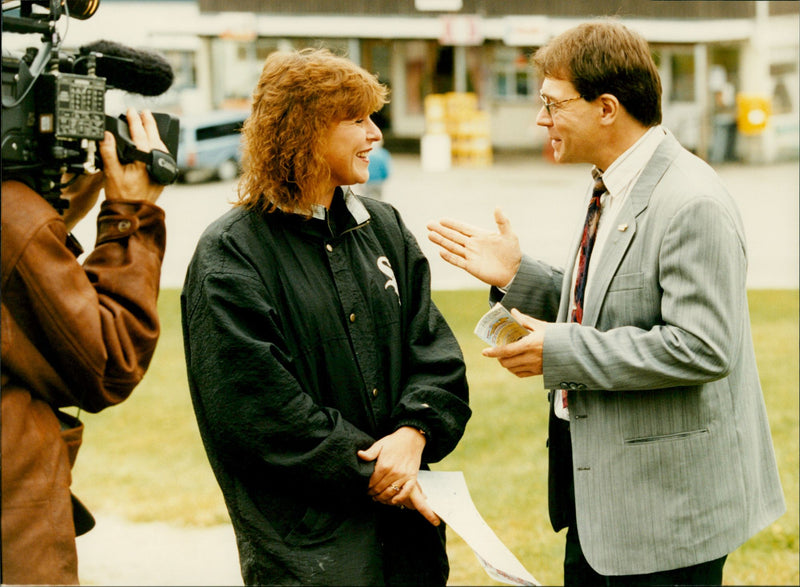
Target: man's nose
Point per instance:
(543, 118)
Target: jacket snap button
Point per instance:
(375, 392)
(123, 225)
(329, 247)
(352, 317)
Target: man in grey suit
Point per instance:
(661, 459)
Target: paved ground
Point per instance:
(118, 552)
(543, 202)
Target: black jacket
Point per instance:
(307, 340)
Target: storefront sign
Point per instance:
(526, 31)
(437, 5)
(461, 30)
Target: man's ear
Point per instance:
(611, 108)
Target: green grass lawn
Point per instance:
(143, 459)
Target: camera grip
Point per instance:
(161, 165)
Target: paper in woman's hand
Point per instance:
(448, 496)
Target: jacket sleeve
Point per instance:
(435, 394)
(83, 336)
(683, 329)
(536, 290)
(252, 410)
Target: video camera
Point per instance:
(54, 101)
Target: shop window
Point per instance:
(682, 65)
(781, 98)
(784, 76)
(513, 75)
(419, 66)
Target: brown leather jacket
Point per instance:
(71, 336)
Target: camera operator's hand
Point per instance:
(82, 195)
(131, 181)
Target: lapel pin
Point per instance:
(622, 227)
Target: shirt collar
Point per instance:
(629, 165)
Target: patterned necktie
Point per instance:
(585, 253)
(587, 244)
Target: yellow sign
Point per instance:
(752, 113)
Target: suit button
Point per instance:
(375, 392)
(352, 317)
(329, 247)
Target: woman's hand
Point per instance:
(397, 460)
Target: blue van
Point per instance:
(210, 145)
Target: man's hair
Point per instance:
(298, 98)
(605, 57)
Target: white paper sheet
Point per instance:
(449, 497)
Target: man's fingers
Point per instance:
(144, 131)
(505, 351)
(151, 129)
(453, 259)
(108, 151)
(527, 321)
(447, 246)
(457, 236)
(502, 221)
(136, 129)
(462, 228)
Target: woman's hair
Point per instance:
(299, 97)
(605, 57)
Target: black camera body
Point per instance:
(54, 108)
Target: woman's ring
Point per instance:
(396, 488)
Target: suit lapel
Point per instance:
(606, 265)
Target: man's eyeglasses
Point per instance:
(553, 106)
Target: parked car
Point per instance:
(210, 145)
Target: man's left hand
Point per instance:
(523, 357)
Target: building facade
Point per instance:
(709, 53)
(715, 58)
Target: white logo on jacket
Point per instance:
(386, 268)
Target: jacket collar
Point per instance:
(346, 213)
(351, 202)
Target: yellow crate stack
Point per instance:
(457, 114)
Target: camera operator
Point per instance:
(72, 335)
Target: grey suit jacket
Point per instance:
(673, 461)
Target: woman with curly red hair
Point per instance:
(323, 377)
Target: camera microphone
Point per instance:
(131, 70)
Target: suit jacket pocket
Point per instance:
(631, 301)
(684, 435)
(626, 281)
